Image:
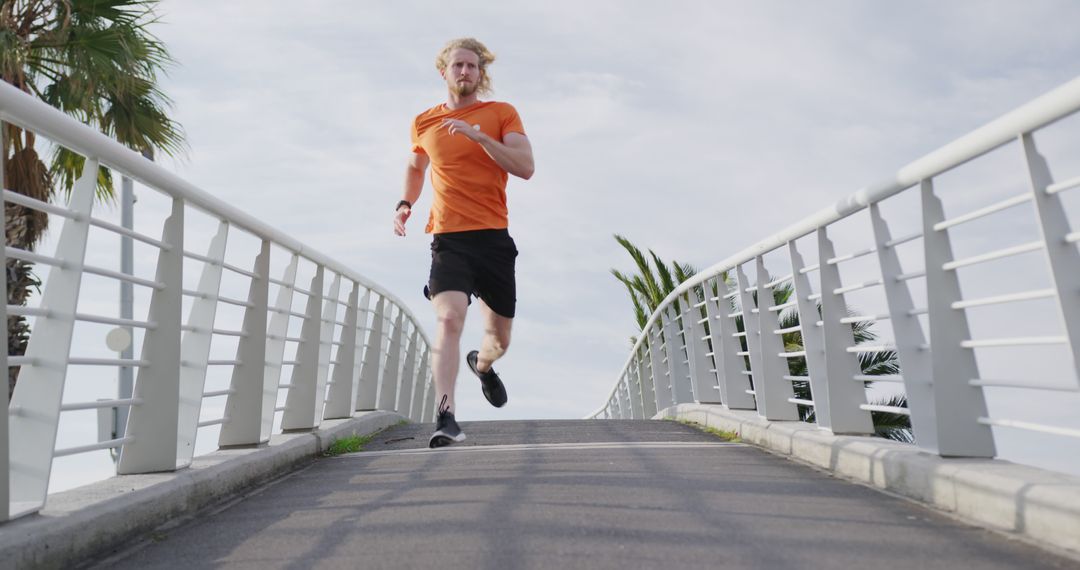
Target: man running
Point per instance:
(472, 146)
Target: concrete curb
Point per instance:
(1036, 504)
(83, 523)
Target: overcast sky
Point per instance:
(692, 127)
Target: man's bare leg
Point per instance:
(496, 338)
(450, 309)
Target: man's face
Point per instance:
(462, 73)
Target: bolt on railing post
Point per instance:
(341, 395)
(661, 387)
(417, 410)
(697, 349)
(244, 406)
(910, 339)
(275, 348)
(153, 425)
(958, 405)
(1061, 254)
(729, 365)
(35, 406)
(195, 347)
(371, 370)
(843, 394)
(678, 372)
(391, 376)
(300, 396)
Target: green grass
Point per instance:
(721, 434)
(350, 444)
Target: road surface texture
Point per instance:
(571, 494)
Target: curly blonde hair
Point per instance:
(473, 45)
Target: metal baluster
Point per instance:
(388, 388)
(678, 372)
(416, 413)
(35, 406)
(371, 371)
(844, 395)
(634, 390)
(153, 425)
(341, 395)
(645, 379)
(697, 349)
(326, 344)
(275, 348)
(429, 400)
(195, 347)
(813, 341)
(661, 388)
(915, 364)
(246, 408)
(5, 451)
(1062, 255)
(408, 374)
(957, 404)
(729, 365)
(300, 395)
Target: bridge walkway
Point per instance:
(571, 494)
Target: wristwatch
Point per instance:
(405, 203)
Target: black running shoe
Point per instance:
(493, 387)
(446, 428)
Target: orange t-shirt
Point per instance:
(470, 187)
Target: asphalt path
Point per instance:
(571, 494)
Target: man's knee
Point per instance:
(500, 340)
(451, 321)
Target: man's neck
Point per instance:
(455, 101)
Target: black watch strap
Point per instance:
(405, 203)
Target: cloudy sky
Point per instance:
(694, 128)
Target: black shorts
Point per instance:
(478, 262)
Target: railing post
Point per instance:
(843, 393)
(326, 344)
(1061, 254)
(391, 376)
(245, 407)
(429, 400)
(35, 406)
(813, 341)
(678, 372)
(341, 395)
(645, 379)
(661, 387)
(958, 405)
(624, 401)
(729, 365)
(702, 374)
(635, 391)
(300, 397)
(275, 350)
(153, 424)
(771, 390)
(416, 413)
(371, 371)
(408, 374)
(195, 347)
(5, 451)
(910, 339)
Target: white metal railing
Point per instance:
(375, 357)
(940, 377)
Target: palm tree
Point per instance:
(647, 291)
(94, 60)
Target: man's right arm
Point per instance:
(414, 183)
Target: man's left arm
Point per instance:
(513, 154)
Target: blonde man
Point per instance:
(472, 146)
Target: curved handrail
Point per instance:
(1038, 113)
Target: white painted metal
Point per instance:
(326, 339)
(392, 371)
(342, 393)
(416, 412)
(634, 386)
(678, 372)
(153, 427)
(767, 368)
(301, 395)
(729, 366)
(844, 398)
(661, 387)
(371, 371)
(957, 405)
(910, 338)
(5, 449)
(702, 369)
(408, 374)
(195, 348)
(35, 405)
(645, 378)
(1062, 255)
(429, 401)
(275, 354)
(813, 340)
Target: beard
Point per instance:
(465, 89)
